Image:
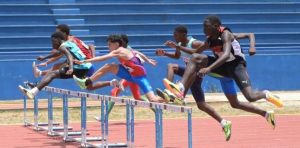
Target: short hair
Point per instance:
(115, 38)
(58, 35)
(181, 29)
(124, 38)
(64, 28)
(213, 19)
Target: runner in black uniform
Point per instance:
(228, 61)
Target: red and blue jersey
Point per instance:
(134, 66)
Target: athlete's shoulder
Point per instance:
(197, 43)
(224, 28)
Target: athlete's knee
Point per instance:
(251, 97)
(197, 56)
(109, 67)
(199, 59)
(202, 106)
(172, 67)
(53, 74)
(235, 104)
(90, 87)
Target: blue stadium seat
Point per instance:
(26, 26)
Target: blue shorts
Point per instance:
(197, 91)
(226, 83)
(91, 71)
(142, 81)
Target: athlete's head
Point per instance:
(57, 39)
(125, 40)
(64, 29)
(180, 33)
(211, 25)
(114, 41)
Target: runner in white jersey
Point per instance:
(226, 83)
(228, 61)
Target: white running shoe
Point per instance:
(26, 92)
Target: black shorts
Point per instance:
(235, 69)
(196, 88)
(80, 73)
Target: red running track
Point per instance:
(247, 132)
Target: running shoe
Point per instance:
(273, 99)
(227, 130)
(271, 119)
(80, 82)
(26, 92)
(163, 95)
(174, 88)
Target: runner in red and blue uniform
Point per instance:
(130, 68)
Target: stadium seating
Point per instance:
(26, 25)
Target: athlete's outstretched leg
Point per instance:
(172, 69)
(88, 82)
(30, 93)
(242, 79)
(198, 95)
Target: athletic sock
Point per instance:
(266, 115)
(88, 82)
(34, 91)
(40, 72)
(223, 122)
(181, 86)
(144, 99)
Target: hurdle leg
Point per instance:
(36, 113)
(161, 127)
(128, 124)
(65, 117)
(102, 123)
(190, 145)
(158, 127)
(104, 126)
(50, 115)
(132, 125)
(106, 122)
(25, 110)
(83, 121)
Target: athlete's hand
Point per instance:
(171, 44)
(40, 58)
(70, 71)
(186, 60)
(204, 71)
(160, 52)
(152, 62)
(252, 51)
(78, 62)
(42, 64)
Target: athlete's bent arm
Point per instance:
(227, 38)
(251, 37)
(65, 51)
(146, 58)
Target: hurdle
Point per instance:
(130, 104)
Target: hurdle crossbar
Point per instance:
(130, 104)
